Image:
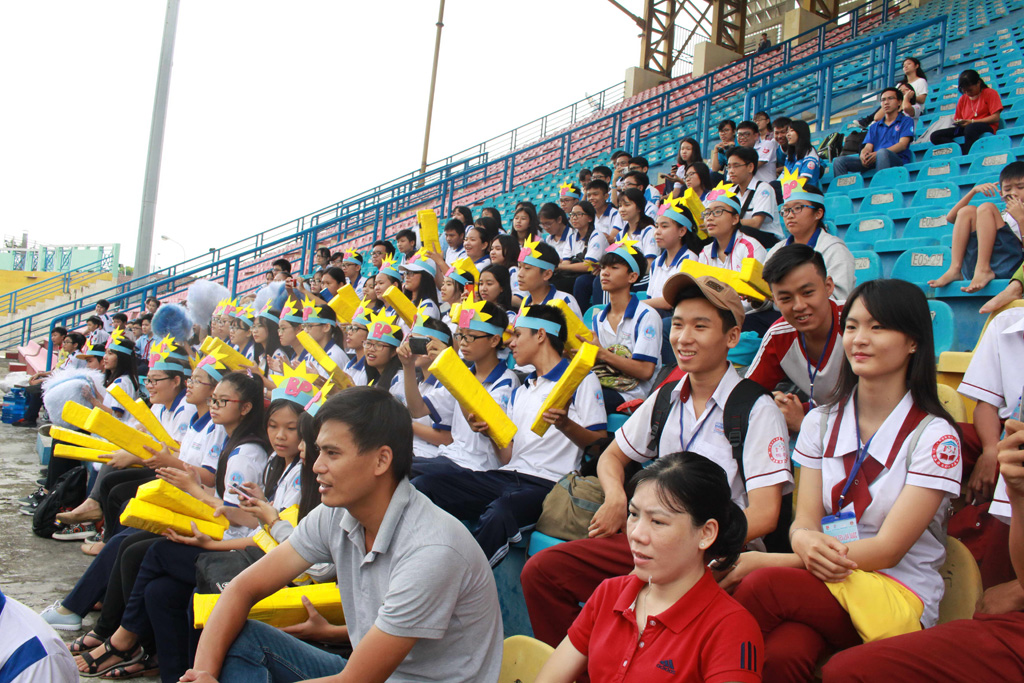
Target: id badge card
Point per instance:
(842, 527)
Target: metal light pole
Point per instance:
(144, 245)
(433, 82)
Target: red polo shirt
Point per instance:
(706, 636)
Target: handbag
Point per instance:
(569, 507)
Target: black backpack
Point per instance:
(831, 147)
(67, 494)
(737, 417)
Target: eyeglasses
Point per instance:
(192, 381)
(733, 167)
(715, 213)
(744, 133)
(373, 345)
(794, 210)
(352, 329)
(151, 382)
(576, 214)
(691, 174)
(468, 338)
(221, 402)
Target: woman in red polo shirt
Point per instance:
(977, 112)
(668, 616)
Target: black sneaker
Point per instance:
(33, 498)
(28, 510)
(41, 481)
(24, 423)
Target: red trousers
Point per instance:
(800, 620)
(989, 647)
(559, 579)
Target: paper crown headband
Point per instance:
(311, 313)
(267, 312)
(420, 328)
(420, 262)
(291, 311)
(91, 349)
(117, 341)
(383, 328)
(390, 268)
(295, 385)
(353, 257)
(464, 271)
(244, 314)
(568, 191)
(723, 193)
(224, 307)
(164, 351)
(672, 207)
(626, 248)
(793, 188)
(319, 398)
(470, 314)
(531, 254)
(362, 314)
(525, 320)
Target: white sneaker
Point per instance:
(61, 622)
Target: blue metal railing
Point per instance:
(61, 283)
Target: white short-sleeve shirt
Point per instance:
(765, 449)
(838, 261)
(564, 244)
(469, 449)
(553, 455)
(177, 417)
(442, 420)
(762, 203)
(648, 246)
(595, 246)
(554, 293)
(766, 152)
(1000, 507)
(740, 247)
(453, 255)
(663, 268)
(934, 464)
(334, 351)
(201, 444)
(356, 369)
(289, 486)
(640, 332)
(609, 222)
(996, 373)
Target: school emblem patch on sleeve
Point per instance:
(946, 452)
(777, 451)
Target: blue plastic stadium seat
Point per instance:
(870, 228)
(844, 184)
(943, 327)
(990, 164)
(922, 264)
(867, 266)
(942, 151)
(616, 420)
(992, 144)
(539, 541)
(838, 205)
(923, 229)
(588, 315)
(882, 200)
(937, 169)
(943, 195)
(889, 178)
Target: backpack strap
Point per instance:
(737, 416)
(660, 413)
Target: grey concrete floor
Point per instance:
(36, 571)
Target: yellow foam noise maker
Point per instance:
(217, 348)
(430, 236)
(338, 376)
(564, 388)
(283, 608)
(452, 372)
(748, 282)
(573, 325)
(396, 299)
(138, 514)
(79, 439)
(170, 497)
(141, 412)
(345, 303)
(63, 450)
(102, 423)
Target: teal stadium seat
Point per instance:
(937, 169)
(923, 229)
(866, 266)
(992, 144)
(882, 201)
(942, 151)
(869, 229)
(943, 326)
(539, 541)
(921, 264)
(890, 178)
(845, 184)
(941, 195)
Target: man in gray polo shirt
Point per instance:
(421, 605)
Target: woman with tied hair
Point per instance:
(977, 112)
(669, 615)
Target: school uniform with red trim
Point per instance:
(996, 373)
(705, 637)
(740, 247)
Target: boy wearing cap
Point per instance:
(508, 500)
(706, 320)
(537, 263)
(352, 266)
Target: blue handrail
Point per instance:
(61, 283)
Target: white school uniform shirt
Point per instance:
(108, 321)
(663, 268)
(555, 293)
(838, 261)
(652, 194)
(201, 444)
(356, 369)
(482, 262)
(564, 244)
(594, 248)
(648, 246)
(920, 87)
(553, 455)
(98, 337)
(766, 152)
(245, 463)
(177, 417)
(996, 373)
(430, 308)
(30, 650)
(109, 401)
(782, 356)
(740, 247)
(513, 276)
(640, 332)
(765, 450)
(609, 222)
(763, 203)
(1011, 223)
(420, 447)
(651, 209)
(334, 351)
(452, 255)
(935, 464)
(289, 487)
(249, 351)
(1000, 506)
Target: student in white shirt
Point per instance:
(352, 266)
(880, 464)
(729, 245)
(759, 207)
(537, 264)
(383, 337)
(454, 234)
(241, 331)
(638, 226)
(607, 221)
(321, 323)
(414, 379)
(509, 499)
(30, 650)
(477, 244)
(590, 246)
(569, 195)
(102, 306)
(555, 223)
(419, 284)
(355, 335)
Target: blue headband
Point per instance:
(805, 196)
(530, 323)
(435, 334)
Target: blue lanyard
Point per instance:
(693, 437)
(817, 368)
(862, 454)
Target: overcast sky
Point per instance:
(276, 108)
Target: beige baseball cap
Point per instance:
(717, 293)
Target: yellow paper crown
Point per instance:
(791, 182)
(626, 243)
(388, 262)
(163, 348)
(289, 374)
(381, 317)
(309, 308)
(291, 307)
(723, 189)
(531, 245)
(678, 203)
(116, 338)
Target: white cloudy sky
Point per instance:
(276, 108)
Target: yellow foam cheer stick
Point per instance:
(170, 497)
(748, 282)
(283, 608)
(345, 303)
(104, 424)
(75, 414)
(396, 299)
(573, 325)
(564, 388)
(64, 450)
(79, 439)
(212, 346)
(338, 376)
(139, 514)
(429, 235)
(143, 414)
(452, 372)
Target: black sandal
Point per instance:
(119, 672)
(78, 645)
(127, 657)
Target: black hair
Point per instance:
(726, 123)
(509, 249)
(746, 154)
(124, 367)
(636, 198)
(456, 226)
(250, 428)
(894, 90)
(309, 495)
(782, 122)
(104, 303)
(691, 484)
(275, 465)
(548, 254)
(488, 227)
(324, 251)
(1012, 171)
(273, 336)
(374, 418)
(603, 170)
(764, 115)
(640, 161)
(383, 377)
(407, 234)
(466, 213)
(551, 314)
(919, 72)
(695, 153)
(533, 225)
(587, 208)
(703, 174)
(95, 320)
(389, 249)
(598, 185)
(496, 215)
(62, 331)
(501, 274)
(145, 317)
(337, 274)
(426, 290)
(438, 326)
(695, 292)
(970, 77)
(619, 153)
(803, 145)
(748, 125)
(584, 174)
(553, 212)
(77, 338)
(901, 306)
(639, 264)
(284, 264)
(642, 179)
(154, 300)
(522, 203)
(789, 258)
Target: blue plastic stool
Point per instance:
(539, 541)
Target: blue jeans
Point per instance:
(263, 653)
(852, 164)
